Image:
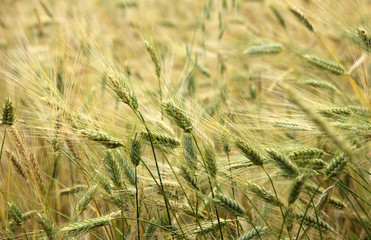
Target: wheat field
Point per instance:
(209, 119)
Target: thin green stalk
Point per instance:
(180, 184)
(197, 202)
(275, 193)
(123, 219)
(2, 144)
(159, 186)
(362, 177)
(359, 217)
(160, 92)
(211, 186)
(171, 167)
(282, 225)
(71, 174)
(306, 210)
(54, 174)
(232, 184)
(25, 233)
(85, 175)
(251, 202)
(317, 218)
(140, 116)
(137, 201)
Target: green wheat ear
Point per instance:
(48, 226)
(102, 138)
(249, 152)
(296, 188)
(135, 151)
(230, 205)
(302, 18)
(122, 91)
(79, 228)
(324, 64)
(253, 233)
(189, 177)
(178, 116)
(324, 198)
(208, 227)
(284, 163)
(161, 139)
(320, 84)
(336, 166)
(210, 160)
(278, 15)
(112, 168)
(15, 213)
(311, 221)
(273, 48)
(129, 171)
(155, 57)
(8, 114)
(264, 194)
(82, 205)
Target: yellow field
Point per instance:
(158, 119)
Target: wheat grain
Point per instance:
(161, 139)
(336, 166)
(264, 194)
(210, 160)
(80, 228)
(230, 205)
(272, 48)
(112, 168)
(302, 18)
(17, 165)
(103, 138)
(48, 227)
(249, 152)
(135, 151)
(321, 84)
(178, 116)
(327, 65)
(253, 233)
(85, 200)
(8, 114)
(284, 163)
(15, 213)
(122, 91)
(311, 221)
(296, 188)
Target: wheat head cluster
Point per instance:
(193, 119)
